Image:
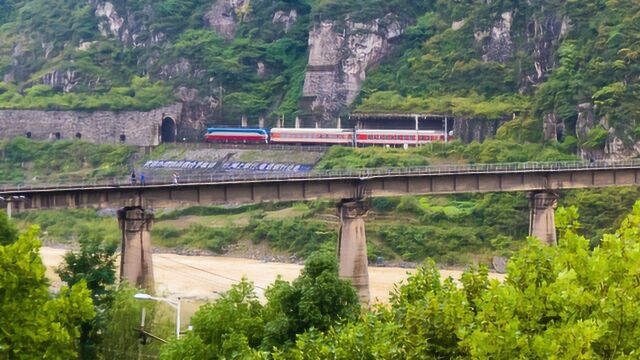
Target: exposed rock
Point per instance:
(457, 25)
(475, 129)
(170, 71)
(552, 128)
(499, 47)
(84, 46)
(129, 28)
(196, 111)
(47, 48)
(545, 33)
(224, 15)
(62, 80)
(338, 61)
(112, 22)
(586, 120)
(261, 70)
(286, 20)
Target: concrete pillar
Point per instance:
(352, 247)
(244, 121)
(280, 122)
(9, 208)
(261, 122)
(542, 217)
(136, 265)
(339, 123)
(297, 124)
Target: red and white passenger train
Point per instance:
(318, 136)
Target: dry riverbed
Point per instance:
(204, 277)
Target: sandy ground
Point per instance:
(204, 277)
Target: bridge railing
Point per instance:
(65, 183)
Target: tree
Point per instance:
(93, 264)
(34, 324)
(317, 299)
(8, 232)
(237, 326)
(226, 329)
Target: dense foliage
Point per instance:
(35, 324)
(237, 325)
(93, 264)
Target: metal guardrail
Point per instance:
(124, 182)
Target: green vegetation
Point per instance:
(489, 152)
(566, 302)
(295, 236)
(94, 264)
(440, 69)
(89, 70)
(73, 225)
(35, 324)
(238, 326)
(26, 160)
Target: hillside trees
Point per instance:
(34, 324)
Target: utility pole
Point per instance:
(220, 96)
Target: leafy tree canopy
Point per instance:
(34, 324)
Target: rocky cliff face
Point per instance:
(339, 56)
(475, 129)
(224, 15)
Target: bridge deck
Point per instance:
(257, 187)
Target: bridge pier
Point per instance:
(136, 265)
(542, 216)
(352, 247)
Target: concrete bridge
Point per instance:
(349, 187)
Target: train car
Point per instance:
(237, 135)
(398, 137)
(312, 136)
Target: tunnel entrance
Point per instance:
(168, 130)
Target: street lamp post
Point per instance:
(174, 304)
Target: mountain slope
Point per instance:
(556, 68)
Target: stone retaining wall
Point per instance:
(104, 127)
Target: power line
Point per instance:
(209, 272)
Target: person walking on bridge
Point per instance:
(133, 177)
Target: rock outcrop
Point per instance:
(286, 20)
(224, 16)
(498, 46)
(128, 28)
(475, 129)
(339, 56)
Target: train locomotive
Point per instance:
(320, 136)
